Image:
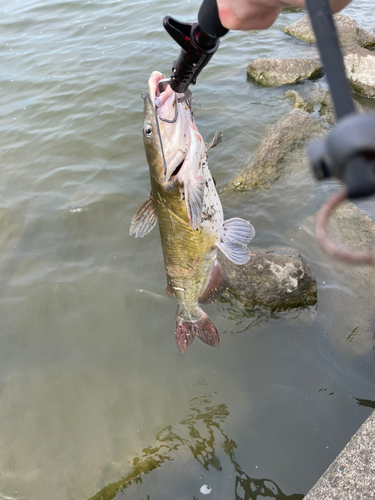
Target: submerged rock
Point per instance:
(298, 102)
(346, 292)
(349, 33)
(275, 72)
(291, 8)
(273, 279)
(351, 226)
(360, 70)
(267, 165)
(319, 98)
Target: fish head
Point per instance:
(166, 130)
(152, 140)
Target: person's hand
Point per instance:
(259, 14)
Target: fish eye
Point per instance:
(147, 130)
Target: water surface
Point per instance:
(94, 395)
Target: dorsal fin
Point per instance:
(218, 283)
(215, 140)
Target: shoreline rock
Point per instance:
(349, 33)
(346, 292)
(298, 102)
(276, 72)
(351, 226)
(319, 97)
(290, 132)
(360, 70)
(276, 279)
(291, 8)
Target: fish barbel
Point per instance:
(187, 207)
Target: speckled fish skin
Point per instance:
(189, 241)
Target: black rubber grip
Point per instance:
(209, 20)
(331, 56)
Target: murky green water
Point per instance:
(94, 395)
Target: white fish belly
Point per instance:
(212, 217)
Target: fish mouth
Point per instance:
(158, 98)
(173, 119)
(165, 102)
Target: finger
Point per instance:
(247, 15)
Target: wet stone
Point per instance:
(276, 72)
(349, 225)
(321, 97)
(298, 102)
(360, 70)
(349, 33)
(347, 292)
(268, 164)
(317, 98)
(275, 279)
(291, 8)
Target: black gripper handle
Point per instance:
(198, 42)
(209, 21)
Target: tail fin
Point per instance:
(202, 328)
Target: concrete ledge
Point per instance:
(352, 475)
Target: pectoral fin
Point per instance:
(194, 195)
(237, 253)
(144, 220)
(237, 230)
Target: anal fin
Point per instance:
(218, 283)
(144, 220)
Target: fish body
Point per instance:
(185, 203)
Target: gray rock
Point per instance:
(319, 97)
(298, 102)
(346, 293)
(275, 72)
(352, 475)
(274, 279)
(353, 228)
(291, 8)
(349, 33)
(322, 97)
(350, 226)
(268, 164)
(360, 69)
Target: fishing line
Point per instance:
(176, 115)
(158, 129)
